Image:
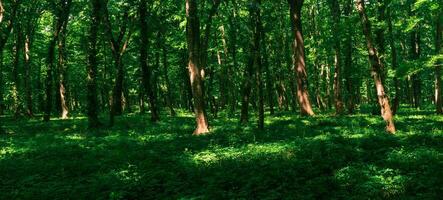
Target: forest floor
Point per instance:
(321, 157)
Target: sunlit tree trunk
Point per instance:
(376, 64)
(27, 66)
(92, 65)
(62, 67)
(299, 58)
(193, 41)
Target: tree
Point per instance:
(91, 67)
(438, 43)
(5, 32)
(193, 41)
(376, 64)
(298, 57)
(145, 69)
(335, 9)
(61, 18)
(119, 45)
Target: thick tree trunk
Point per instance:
(193, 40)
(335, 9)
(145, 69)
(376, 64)
(92, 65)
(299, 58)
(27, 66)
(438, 43)
(50, 71)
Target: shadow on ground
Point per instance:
(323, 157)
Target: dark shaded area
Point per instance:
(322, 157)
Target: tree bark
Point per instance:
(376, 64)
(92, 65)
(193, 41)
(298, 58)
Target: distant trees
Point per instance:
(238, 60)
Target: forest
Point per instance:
(221, 99)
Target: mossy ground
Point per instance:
(321, 157)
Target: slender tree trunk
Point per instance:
(438, 44)
(118, 48)
(193, 40)
(92, 65)
(270, 89)
(62, 67)
(348, 60)
(169, 99)
(233, 49)
(258, 30)
(50, 72)
(394, 63)
(145, 69)
(27, 66)
(335, 9)
(15, 72)
(376, 64)
(2, 105)
(299, 58)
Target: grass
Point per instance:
(322, 157)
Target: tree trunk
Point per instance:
(169, 100)
(349, 81)
(27, 66)
(193, 40)
(15, 72)
(438, 38)
(298, 58)
(145, 69)
(335, 9)
(394, 63)
(376, 64)
(270, 89)
(258, 30)
(92, 65)
(118, 48)
(62, 84)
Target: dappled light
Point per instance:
(344, 157)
